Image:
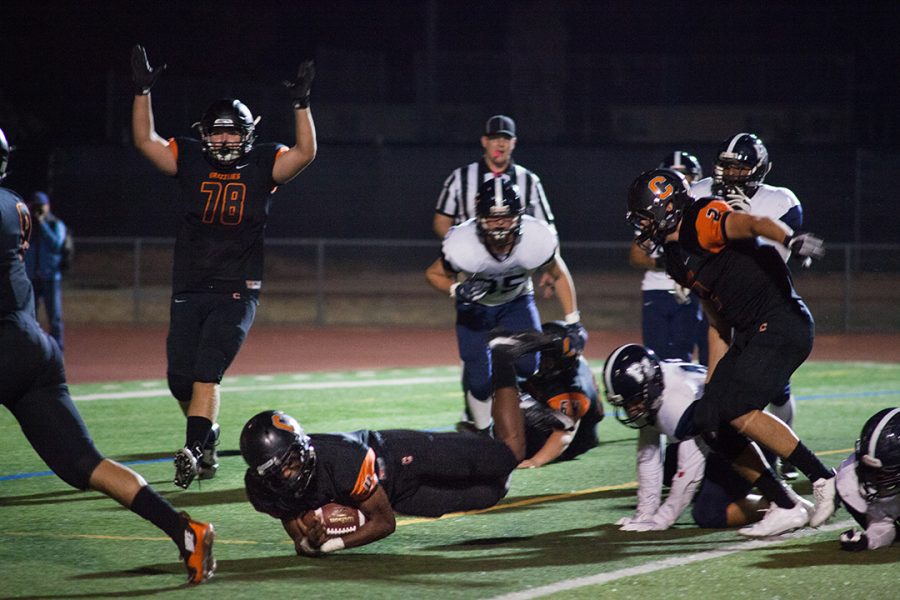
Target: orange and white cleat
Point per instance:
(197, 554)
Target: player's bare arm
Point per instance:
(565, 287)
(439, 277)
(380, 520)
(292, 162)
(143, 130)
(555, 445)
(442, 224)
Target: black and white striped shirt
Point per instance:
(457, 199)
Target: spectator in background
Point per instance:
(43, 260)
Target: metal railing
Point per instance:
(327, 281)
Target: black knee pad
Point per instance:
(727, 441)
(181, 387)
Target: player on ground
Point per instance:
(654, 396)
(33, 387)
(742, 164)
(379, 472)
(747, 290)
(486, 267)
(868, 483)
(226, 182)
(560, 402)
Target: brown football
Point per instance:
(338, 519)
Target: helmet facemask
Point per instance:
(499, 214)
(293, 470)
(227, 117)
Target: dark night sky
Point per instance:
(63, 64)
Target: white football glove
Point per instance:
(737, 199)
(640, 526)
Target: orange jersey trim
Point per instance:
(572, 404)
(281, 151)
(710, 226)
(367, 480)
(173, 148)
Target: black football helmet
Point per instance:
(4, 155)
(655, 203)
(685, 163)
(231, 116)
(878, 455)
(498, 197)
(273, 441)
(742, 162)
(634, 384)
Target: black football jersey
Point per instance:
(15, 229)
(345, 473)
(223, 213)
(745, 281)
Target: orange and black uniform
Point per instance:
(577, 387)
(752, 289)
(32, 377)
(218, 267)
(423, 473)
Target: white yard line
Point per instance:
(571, 584)
(319, 385)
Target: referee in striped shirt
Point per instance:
(457, 200)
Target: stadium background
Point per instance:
(600, 91)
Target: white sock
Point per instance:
(480, 410)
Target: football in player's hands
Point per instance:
(337, 519)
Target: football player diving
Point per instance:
(749, 297)
(868, 483)
(486, 267)
(226, 182)
(653, 396)
(33, 387)
(379, 472)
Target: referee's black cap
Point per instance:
(500, 125)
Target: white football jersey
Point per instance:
(881, 513)
(510, 276)
(683, 384)
(777, 203)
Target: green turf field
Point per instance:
(553, 529)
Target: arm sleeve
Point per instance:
(539, 199)
(649, 471)
(54, 234)
(691, 463)
(710, 225)
(448, 201)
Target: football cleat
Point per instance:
(826, 500)
(209, 458)
(779, 520)
(197, 552)
(186, 466)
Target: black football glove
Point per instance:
(854, 541)
(299, 86)
(471, 290)
(805, 245)
(576, 338)
(142, 75)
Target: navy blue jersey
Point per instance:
(745, 281)
(223, 212)
(15, 230)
